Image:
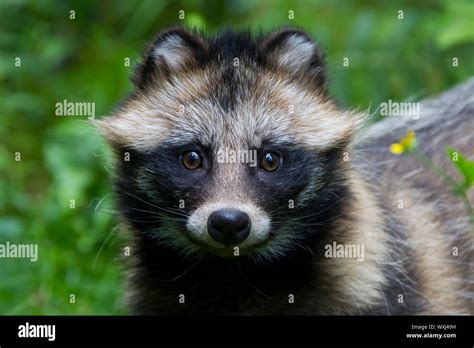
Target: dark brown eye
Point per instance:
(192, 160)
(270, 161)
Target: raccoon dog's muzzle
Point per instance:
(223, 226)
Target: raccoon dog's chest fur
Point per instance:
(244, 191)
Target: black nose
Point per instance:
(228, 226)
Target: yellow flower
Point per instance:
(407, 143)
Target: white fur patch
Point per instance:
(260, 222)
(295, 53)
(173, 50)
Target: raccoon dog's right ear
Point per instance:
(172, 51)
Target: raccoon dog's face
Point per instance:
(230, 145)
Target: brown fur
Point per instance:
(435, 221)
(408, 251)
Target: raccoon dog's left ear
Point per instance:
(295, 52)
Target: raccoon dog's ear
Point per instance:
(172, 51)
(295, 52)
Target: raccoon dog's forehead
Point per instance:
(233, 89)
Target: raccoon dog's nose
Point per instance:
(228, 226)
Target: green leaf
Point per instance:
(195, 20)
(465, 166)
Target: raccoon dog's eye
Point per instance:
(270, 161)
(191, 160)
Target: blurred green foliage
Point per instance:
(82, 59)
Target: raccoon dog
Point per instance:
(246, 189)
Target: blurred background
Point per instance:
(84, 59)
